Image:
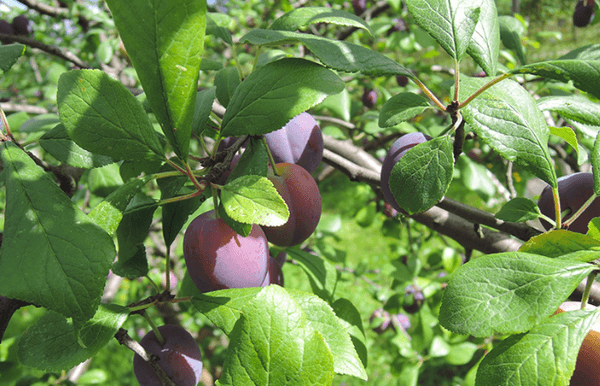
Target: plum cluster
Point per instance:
(219, 258)
(178, 356)
(19, 26)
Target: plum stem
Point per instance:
(581, 210)
(456, 79)
(271, 159)
(182, 198)
(168, 268)
(557, 212)
(484, 88)
(215, 192)
(237, 62)
(588, 287)
(429, 94)
(159, 336)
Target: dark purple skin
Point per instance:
(369, 98)
(413, 299)
(281, 258)
(386, 320)
(6, 28)
(402, 80)
(397, 151)
(299, 142)
(274, 273)
(180, 358)
(21, 25)
(301, 194)
(584, 14)
(398, 26)
(218, 258)
(574, 190)
(359, 6)
(400, 321)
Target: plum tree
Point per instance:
(218, 258)
(583, 14)
(179, 357)
(301, 194)
(369, 98)
(586, 368)
(274, 273)
(299, 142)
(397, 151)
(574, 190)
(21, 25)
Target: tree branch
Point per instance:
(12, 107)
(69, 56)
(45, 8)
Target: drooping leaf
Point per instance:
(226, 81)
(60, 146)
(272, 344)
(422, 176)
(350, 317)
(214, 27)
(507, 118)
(569, 136)
(574, 107)
(9, 55)
(48, 238)
(507, 293)
(275, 93)
(254, 200)
(485, 43)
(588, 52)
(519, 209)
(341, 56)
(103, 117)
(511, 31)
(305, 16)
(165, 42)
(450, 23)
(585, 74)
(176, 214)
(52, 345)
(402, 107)
(518, 360)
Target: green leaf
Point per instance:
(104, 180)
(42, 122)
(585, 74)
(176, 214)
(569, 136)
(519, 209)
(59, 145)
(322, 275)
(275, 93)
(103, 117)
(485, 43)
(506, 117)
(339, 55)
(507, 293)
(475, 177)
(226, 81)
(165, 42)
(136, 265)
(450, 23)
(574, 107)
(596, 164)
(238, 227)
(594, 229)
(559, 242)
(305, 16)
(53, 255)
(402, 107)
(214, 28)
(460, 354)
(254, 200)
(51, 344)
(422, 176)
(9, 55)
(546, 355)
(253, 161)
(588, 52)
(224, 307)
(352, 321)
(272, 344)
(320, 317)
(108, 213)
(511, 31)
(204, 102)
